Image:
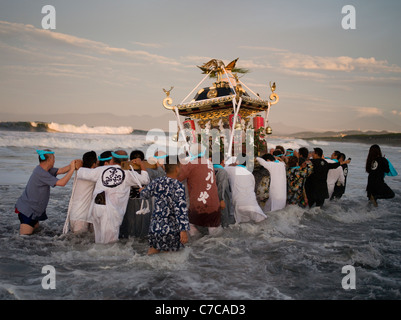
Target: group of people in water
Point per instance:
(189, 195)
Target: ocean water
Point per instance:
(294, 254)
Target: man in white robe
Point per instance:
(78, 217)
(245, 205)
(111, 194)
(334, 176)
(278, 183)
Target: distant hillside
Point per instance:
(336, 134)
(368, 137)
(144, 122)
(370, 123)
(141, 124)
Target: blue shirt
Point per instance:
(33, 201)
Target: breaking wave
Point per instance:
(33, 126)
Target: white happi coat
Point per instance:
(334, 176)
(246, 207)
(278, 185)
(80, 203)
(116, 184)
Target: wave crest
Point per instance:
(37, 126)
(71, 128)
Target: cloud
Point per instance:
(262, 48)
(298, 61)
(375, 81)
(304, 74)
(28, 35)
(32, 55)
(368, 111)
(343, 63)
(251, 64)
(396, 112)
(148, 45)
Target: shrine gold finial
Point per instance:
(167, 101)
(272, 87)
(274, 97)
(216, 68)
(168, 92)
(238, 88)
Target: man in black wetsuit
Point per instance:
(316, 184)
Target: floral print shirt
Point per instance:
(170, 213)
(296, 178)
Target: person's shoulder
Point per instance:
(112, 167)
(40, 171)
(179, 184)
(281, 163)
(160, 179)
(319, 161)
(95, 170)
(382, 159)
(220, 171)
(173, 183)
(228, 170)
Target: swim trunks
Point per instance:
(27, 220)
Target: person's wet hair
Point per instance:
(303, 152)
(171, 163)
(292, 161)
(104, 155)
(137, 154)
(89, 158)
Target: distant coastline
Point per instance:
(38, 126)
(382, 138)
(367, 137)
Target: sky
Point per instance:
(117, 56)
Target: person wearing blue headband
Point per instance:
(119, 156)
(204, 204)
(278, 182)
(104, 158)
(297, 174)
(242, 183)
(111, 193)
(134, 223)
(31, 205)
(223, 189)
(78, 215)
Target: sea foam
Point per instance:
(71, 128)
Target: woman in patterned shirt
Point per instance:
(296, 177)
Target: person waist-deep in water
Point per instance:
(31, 205)
(377, 166)
(169, 222)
